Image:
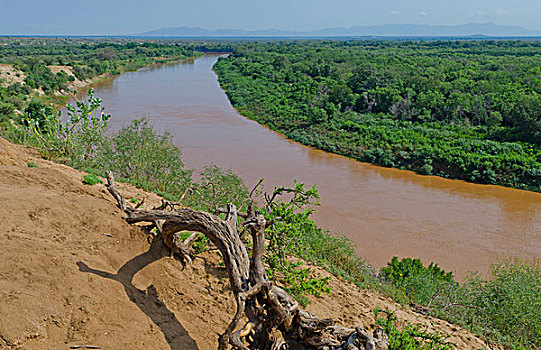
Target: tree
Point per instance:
(275, 319)
(342, 96)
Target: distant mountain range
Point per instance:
(473, 29)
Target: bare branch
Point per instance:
(121, 202)
(225, 211)
(255, 187)
(189, 189)
(275, 319)
(140, 204)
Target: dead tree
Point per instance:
(275, 319)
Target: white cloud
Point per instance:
(395, 13)
(423, 13)
(495, 12)
(477, 13)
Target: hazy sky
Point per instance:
(135, 16)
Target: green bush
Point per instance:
(410, 337)
(91, 179)
(136, 153)
(218, 187)
(149, 160)
(36, 114)
(397, 271)
(506, 307)
(426, 169)
(75, 141)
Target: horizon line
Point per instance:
(301, 33)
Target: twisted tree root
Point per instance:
(275, 319)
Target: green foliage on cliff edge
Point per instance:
(410, 336)
(505, 307)
(397, 271)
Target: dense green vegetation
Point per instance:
(467, 109)
(397, 271)
(87, 59)
(505, 308)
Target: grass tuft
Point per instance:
(91, 179)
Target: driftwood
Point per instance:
(275, 319)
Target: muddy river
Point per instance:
(386, 212)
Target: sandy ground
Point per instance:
(8, 75)
(73, 272)
(76, 84)
(56, 69)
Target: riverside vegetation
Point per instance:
(87, 60)
(460, 109)
(505, 308)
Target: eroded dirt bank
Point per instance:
(73, 272)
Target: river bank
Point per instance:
(153, 302)
(79, 89)
(36, 72)
(386, 212)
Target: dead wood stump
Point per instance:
(275, 319)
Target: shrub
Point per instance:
(149, 160)
(398, 271)
(91, 179)
(136, 153)
(426, 169)
(36, 113)
(410, 337)
(217, 188)
(506, 307)
(74, 141)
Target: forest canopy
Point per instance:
(461, 109)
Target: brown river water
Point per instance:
(386, 212)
